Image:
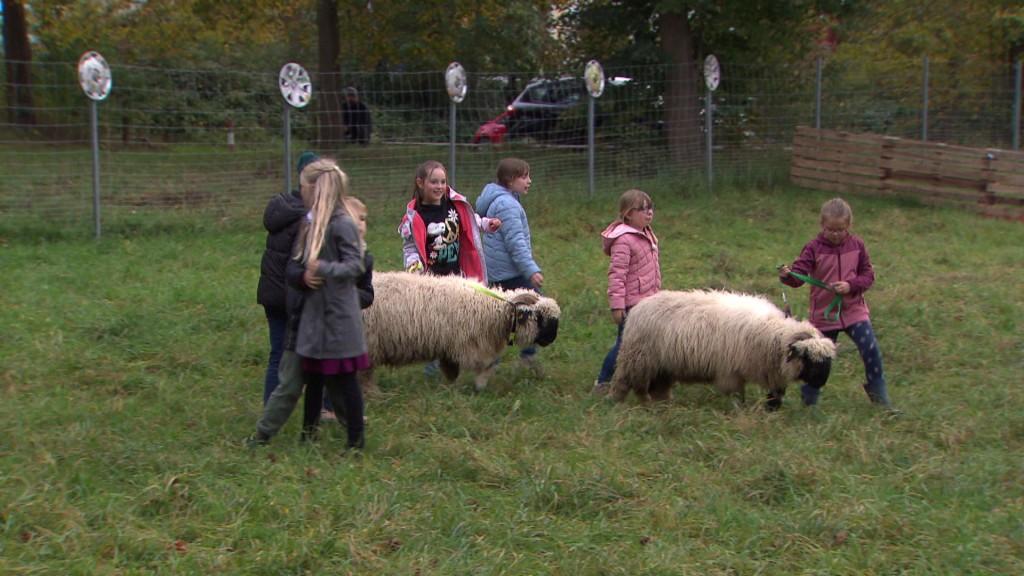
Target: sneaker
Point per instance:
(257, 439)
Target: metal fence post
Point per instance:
(1016, 106)
(94, 129)
(590, 147)
(451, 145)
(817, 98)
(287, 148)
(924, 103)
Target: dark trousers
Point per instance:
(277, 322)
(344, 391)
(610, 359)
(863, 336)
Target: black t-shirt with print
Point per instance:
(442, 223)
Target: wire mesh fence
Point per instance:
(215, 140)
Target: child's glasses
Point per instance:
(835, 231)
(645, 208)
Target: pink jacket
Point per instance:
(634, 272)
(849, 262)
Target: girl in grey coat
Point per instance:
(330, 339)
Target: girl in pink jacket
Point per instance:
(634, 273)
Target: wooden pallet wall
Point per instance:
(988, 180)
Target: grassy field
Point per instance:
(132, 371)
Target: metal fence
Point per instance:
(215, 141)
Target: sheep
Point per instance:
(419, 318)
(723, 338)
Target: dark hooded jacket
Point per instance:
(281, 218)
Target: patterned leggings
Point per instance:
(863, 337)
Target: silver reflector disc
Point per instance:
(296, 87)
(94, 75)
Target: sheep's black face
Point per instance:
(547, 330)
(815, 374)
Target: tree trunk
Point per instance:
(682, 92)
(331, 132)
(18, 56)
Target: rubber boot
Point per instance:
(877, 393)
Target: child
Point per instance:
(329, 338)
(840, 260)
(281, 218)
(440, 232)
(315, 398)
(634, 272)
(509, 260)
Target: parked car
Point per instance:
(540, 111)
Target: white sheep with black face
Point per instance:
(418, 318)
(722, 338)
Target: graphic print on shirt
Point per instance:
(443, 242)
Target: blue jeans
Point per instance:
(863, 337)
(610, 360)
(515, 284)
(277, 321)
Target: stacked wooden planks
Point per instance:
(990, 181)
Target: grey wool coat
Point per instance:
(331, 324)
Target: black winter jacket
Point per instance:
(282, 219)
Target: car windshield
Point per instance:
(551, 93)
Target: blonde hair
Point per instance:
(836, 208)
(352, 204)
(329, 188)
(422, 172)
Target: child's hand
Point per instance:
(784, 270)
(619, 315)
(415, 268)
(537, 280)
(309, 277)
(841, 287)
(494, 224)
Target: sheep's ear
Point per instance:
(525, 299)
(522, 315)
(793, 353)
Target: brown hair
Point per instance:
(422, 172)
(511, 168)
(632, 199)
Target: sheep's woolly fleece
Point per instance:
(723, 338)
(419, 318)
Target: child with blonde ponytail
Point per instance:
(329, 340)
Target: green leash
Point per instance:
(837, 302)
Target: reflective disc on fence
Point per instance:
(593, 75)
(296, 86)
(94, 75)
(712, 72)
(455, 82)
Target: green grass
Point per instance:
(132, 370)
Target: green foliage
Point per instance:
(133, 368)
